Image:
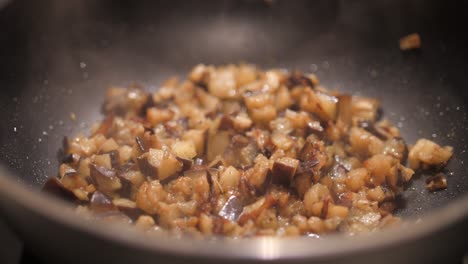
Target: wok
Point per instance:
(59, 56)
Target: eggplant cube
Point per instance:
(159, 164)
(283, 170)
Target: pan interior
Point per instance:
(58, 58)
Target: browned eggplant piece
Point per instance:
(370, 127)
(437, 182)
(241, 152)
(127, 207)
(397, 148)
(226, 122)
(100, 202)
(217, 144)
(148, 104)
(232, 209)
(71, 159)
(115, 158)
(124, 101)
(345, 109)
(235, 122)
(146, 142)
(65, 170)
(159, 164)
(284, 170)
(186, 163)
(365, 108)
(105, 179)
(184, 149)
(320, 104)
(252, 211)
(130, 178)
(105, 126)
(196, 173)
(218, 161)
(149, 166)
(198, 137)
(103, 208)
(175, 128)
(56, 188)
(312, 157)
(299, 79)
(200, 76)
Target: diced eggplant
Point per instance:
(226, 122)
(209, 102)
(235, 122)
(100, 202)
(201, 188)
(114, 157)
(157, 116)
(241, 152)
(109, 145)
(252, 211)
(364, 108)
(425, 154)
(299, 79)
(320, 104)
(158, 164)
(222, 83)
(125, 101)
(127, 207)
(232, 209)
(198, 137)
(312, 157)
(56, 188)
(65, 170)
(195, 173)
(375, 130)
(257, 176)
(103, 160)
(218, 161)
(71, 159)
(130, 179)
(229, 179)
(186, 163)
(200, 75)
(175, 128)
(315, 127)
(184, 149)
(105, 126)
(105, 179)
(344, 109)
(397, 148)
(217, 144)
(436, 182)
(284, 170)
(363, 143)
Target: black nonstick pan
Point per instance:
(58, 57)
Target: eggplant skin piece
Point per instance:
(236, 151)
(159, 164)
(284, 170)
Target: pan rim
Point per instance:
(262, 248)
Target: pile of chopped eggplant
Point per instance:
(237, 151)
